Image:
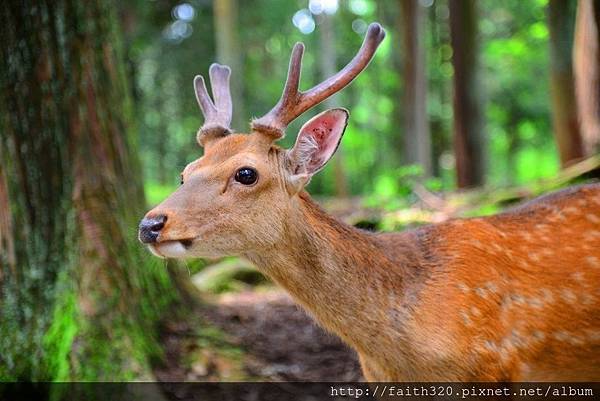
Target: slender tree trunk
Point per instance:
(229, 53)
(417, 138)
(441, 136)
(469, 138)
(77, 300)
(328, 68)
(586, 65)
(562, 84)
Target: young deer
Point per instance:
(510, 297)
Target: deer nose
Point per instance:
(150, 228)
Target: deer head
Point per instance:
(242, 192)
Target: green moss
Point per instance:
(58, 340)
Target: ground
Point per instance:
(257, 336)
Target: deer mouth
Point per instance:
(171, 248)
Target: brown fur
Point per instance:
(510, 297)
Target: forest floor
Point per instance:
(254, 336)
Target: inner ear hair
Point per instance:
(303, 152)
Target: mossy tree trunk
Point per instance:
(78, 297)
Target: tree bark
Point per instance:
(562, 85)
(229, 53)
(417, 138)
(78, 301)
(586, 65)
(469, 137)
(328, 68)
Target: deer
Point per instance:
(509, 297)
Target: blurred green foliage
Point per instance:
(513, 54)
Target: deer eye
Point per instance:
(246, 176)
(181, 179)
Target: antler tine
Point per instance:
(272, 121)
(293, 102)
(217, 114)
(295, 69)
(219, 80)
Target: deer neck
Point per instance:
(344, 277)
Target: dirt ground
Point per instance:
(255, 336)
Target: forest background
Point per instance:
(467, 107)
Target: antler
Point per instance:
(294, 102)
(217, 114)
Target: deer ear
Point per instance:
(317, 141)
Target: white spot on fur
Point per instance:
(525, 369)
(491, 346)
(491, 287)
(506, 303)
(481, 292)
(463, 287)
(560, 216)
(475, 312)
(575, 340)
(465, 318)
(476, 243)
(569, 296)
(593, 218)
(561, 335)
(547, 295)
(536, 303)
(518, 299)
(538, 335)
(592, 261)
(594, 335)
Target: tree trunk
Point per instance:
(562, 85)
(469, 138)
(229, 53)
(78, 301)
(417, 138)
(328, 68)
(586, 65)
